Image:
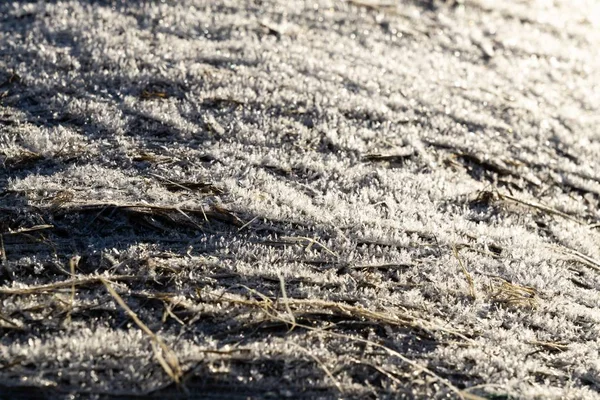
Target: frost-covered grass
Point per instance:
(325, 199)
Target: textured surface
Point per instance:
(414, 185)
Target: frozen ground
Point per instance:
(315, 199)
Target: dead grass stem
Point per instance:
(514, 295)
(69, 283)
(394, 319)
(72, 265)
(467, 274)
(540, 207)
(214, 212)
(322, 365)
(268, 308)
(551, 346)
(286, 300)
(373, 5)
(309, 242)
(581, 258)
(165, 356)
(28, 230)
(3, 258)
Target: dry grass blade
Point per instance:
(514, 295)
(60, 198)
(390, 266)
(165, 356)
(285, 301)
(323, 367)
(463, 156)
(394, 319)
(152, 157)
(190, 219)
(174, 186)
(3, 258)
(169, 313)
(485, 386)
(149, 95)
(10, 322)
(13, 78)
(309, 241)
(373, 5)
(73, 265)
(28, 230)
(460, 393)
(24, 158)
(497, 166)
(247, 224)
(551, 346)
(467, 274)
(66, 284)
(216, 212)
(272, 313)
(582, 258)
(540, 207)
(379, 369)
(399, 157)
